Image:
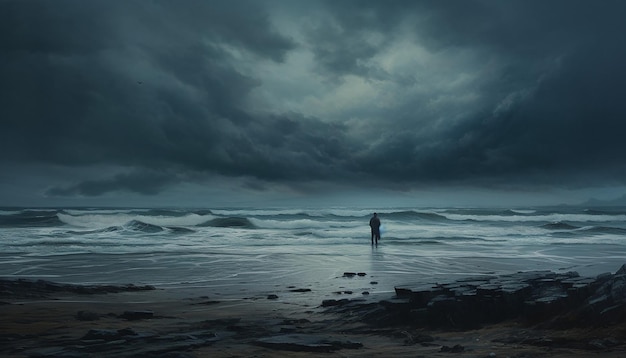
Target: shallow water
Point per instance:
(254, 252)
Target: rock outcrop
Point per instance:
(535, 297)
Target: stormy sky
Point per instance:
(220, 103)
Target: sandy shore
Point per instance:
(159, 323)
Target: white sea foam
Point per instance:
(303, 224)
(257, 212)
(523, 211)
(553, 217)
(103, 221)
(77, 212)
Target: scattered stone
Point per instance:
(374, 283)
(352, 274)
(301, 290)
(272, 297)
(365, 293)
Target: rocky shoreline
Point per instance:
(554, 300)
(525, 314)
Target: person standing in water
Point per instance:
(375, 226)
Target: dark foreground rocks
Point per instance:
(554, 300)
(525, 314)
(27, 288)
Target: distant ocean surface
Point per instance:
(260, 251)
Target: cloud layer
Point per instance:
(395, 94)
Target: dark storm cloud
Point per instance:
(133, 83)
(166, 90)
(551, 107)
(143, 182)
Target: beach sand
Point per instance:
(162, 323)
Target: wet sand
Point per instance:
(161, 323)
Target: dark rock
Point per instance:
(423, 338)
(349, 274)
(456, 349)
(87, 316)
(137, 315)
(272, 297)
(330, 303)
(301, 290)
(58, 352)
(557, 299)
(419, 294)
(418, 338)
(108, 334)
(346, 344)
(42, 288)
(211, 324)
(305, 343)
(295, 321)
(174, 355)
(287, 329)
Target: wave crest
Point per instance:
(136, 225)
(30, 218)
(558, 225)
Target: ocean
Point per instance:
(248, 252)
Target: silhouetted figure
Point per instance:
(375, 225)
